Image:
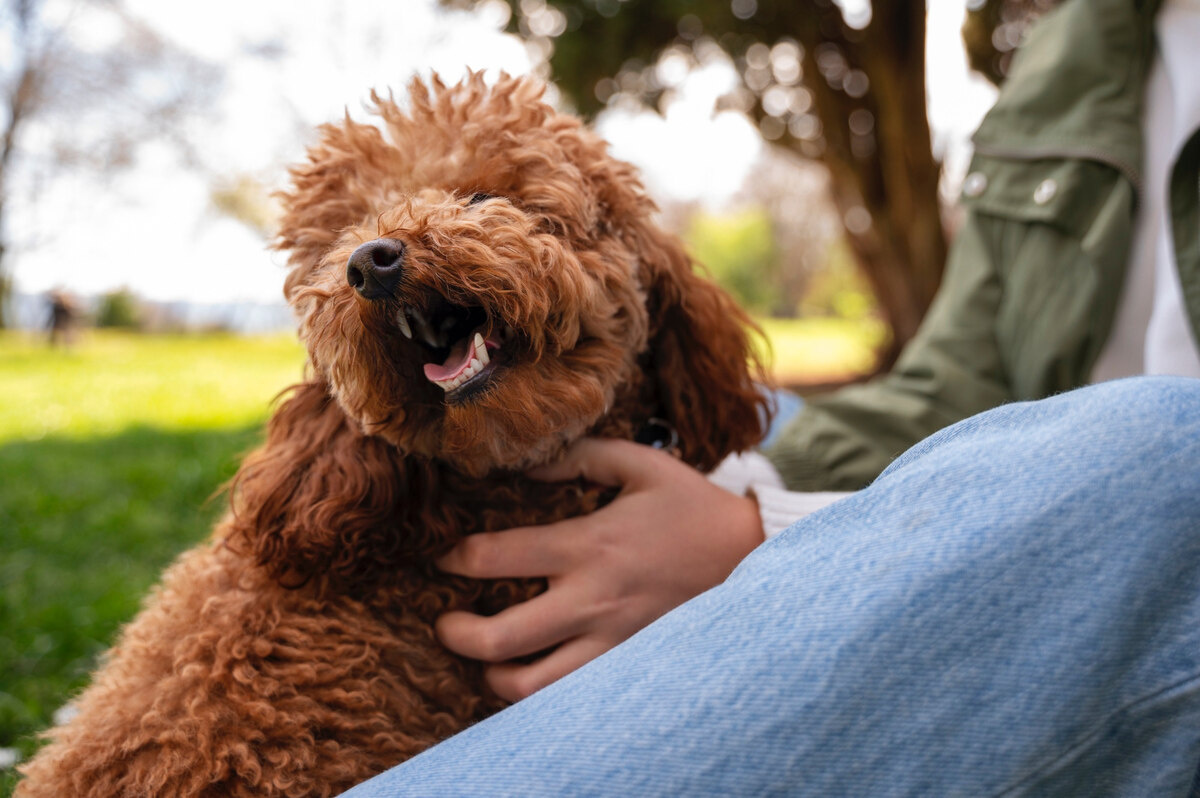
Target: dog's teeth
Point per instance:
(476, 364)
(481, 351)
(402, 321)
(473, 368)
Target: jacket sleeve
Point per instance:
(1026, 303)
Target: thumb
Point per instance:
(605, 461)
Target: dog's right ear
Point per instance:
(320, 498)
(709, 374)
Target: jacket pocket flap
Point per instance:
(1063, 192)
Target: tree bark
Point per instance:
(890, 173)
(20, 100)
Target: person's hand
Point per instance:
(669, 535)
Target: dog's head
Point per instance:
(479, 282)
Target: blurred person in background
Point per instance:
(63, 317)
(998, 592)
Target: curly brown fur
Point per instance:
(294, 654)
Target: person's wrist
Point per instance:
(749, 527)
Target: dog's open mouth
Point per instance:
(461, 343)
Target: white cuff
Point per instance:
(739, 472)
(750, 473)
(781, 508)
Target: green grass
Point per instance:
(110, 453)
(108, 381)
(86, 526)
(822, 350)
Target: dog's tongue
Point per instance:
(456, 362)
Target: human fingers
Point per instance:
(530, 551)
(525, 628)
(513, 682)
(606, 461)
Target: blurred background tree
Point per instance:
(247, 199)
(840, 83)
(119, 309)
(82, 87)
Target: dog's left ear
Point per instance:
(710, 377)
(321, 499)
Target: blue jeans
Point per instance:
(1012, 608)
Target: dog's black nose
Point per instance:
(375, 268)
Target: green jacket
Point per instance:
(1033, 278)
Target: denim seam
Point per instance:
(1131, 709)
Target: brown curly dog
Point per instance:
(478, 285)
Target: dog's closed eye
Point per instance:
(478, 197)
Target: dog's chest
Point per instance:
(424, 592)
(517, 501)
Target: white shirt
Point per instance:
(1151, 333)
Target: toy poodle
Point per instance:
(478, 284)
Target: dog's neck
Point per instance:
(504, 499)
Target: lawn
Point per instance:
(110, 381)
(111, 454)
(820, 351)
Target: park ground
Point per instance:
(112, 456)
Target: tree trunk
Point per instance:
(20, 100)
(5, 290)
(884, 180)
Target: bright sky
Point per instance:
(153, 228)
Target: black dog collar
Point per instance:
(659, 434)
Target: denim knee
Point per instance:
(1151, 399)
(1137, 421)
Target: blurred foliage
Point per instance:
(246, 199)
(6, 293)
(119, 309)
(793, 193)
(738, 251)
(838, 290)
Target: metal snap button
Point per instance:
(1045, 191)
(974, 184)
